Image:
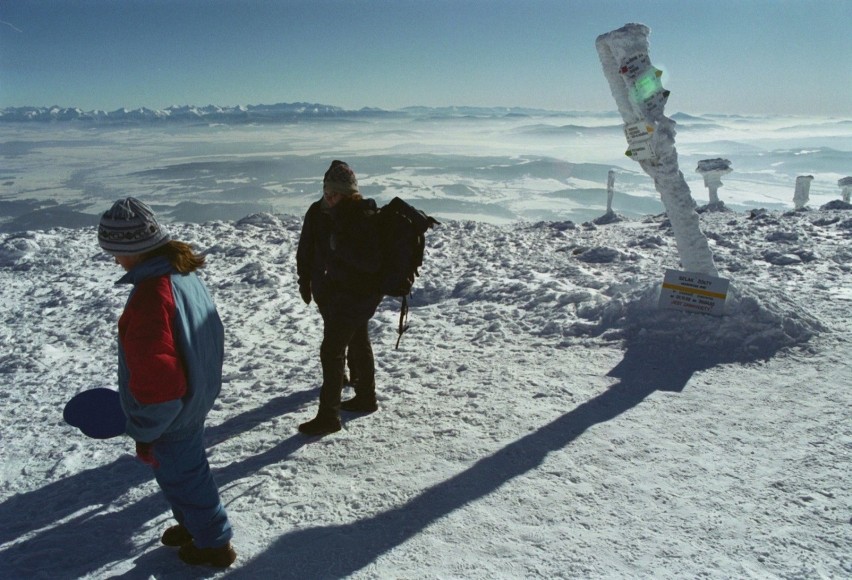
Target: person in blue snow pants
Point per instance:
(170, 354)
(183, 464)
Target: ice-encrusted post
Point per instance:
(803, 190)
(610, 190)
(640, 97)
(712, 171)
(845, 184)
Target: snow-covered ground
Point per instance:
(542, 418)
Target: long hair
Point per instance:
(180, 255)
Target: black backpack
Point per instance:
(401, 230)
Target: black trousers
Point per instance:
(340, 335)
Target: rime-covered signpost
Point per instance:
(610, 190)
(803, 191)
(639, 94)
(845, 184)
(712, 171)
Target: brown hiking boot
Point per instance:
(220, 557)
(176, 536)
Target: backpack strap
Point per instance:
(403, 317)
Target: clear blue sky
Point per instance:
(727, 56)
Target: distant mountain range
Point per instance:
(241, 114)
(283, 112)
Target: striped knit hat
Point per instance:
(129, 227)
(340, 179)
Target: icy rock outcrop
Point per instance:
(18, 247)
(838, 204)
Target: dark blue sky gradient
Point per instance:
(735, 56)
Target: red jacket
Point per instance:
(147, 334)
(170, 353)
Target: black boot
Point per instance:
(360, 404)
(321, 425)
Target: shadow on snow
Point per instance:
(86, 542)
(92, 537)
(337, 551)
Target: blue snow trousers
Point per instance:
(185, 478)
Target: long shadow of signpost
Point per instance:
(340, 550)
(85, 542)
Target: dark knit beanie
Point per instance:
(340, 179)
(129, 227)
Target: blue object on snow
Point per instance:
(97, 413)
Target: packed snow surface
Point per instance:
(542, 418)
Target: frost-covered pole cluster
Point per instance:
(803, 190)
(610, 190)
(640, 97)
(712, 171)
(845, 184)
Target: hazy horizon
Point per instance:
(498, 169)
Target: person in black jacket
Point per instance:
(338, 261)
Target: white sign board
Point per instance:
(633, 67)
(638, 132)
(641, 152)
(639, 141)
(694, 292)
